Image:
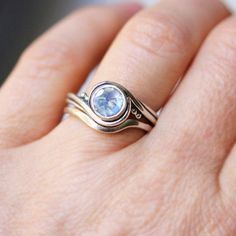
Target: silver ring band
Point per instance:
(111, 108)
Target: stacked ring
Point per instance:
(111, 108)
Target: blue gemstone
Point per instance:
(108, 101)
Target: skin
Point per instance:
(63, 178)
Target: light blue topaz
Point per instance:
(108, 102)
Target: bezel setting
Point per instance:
(102, 87)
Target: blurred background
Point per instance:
(22, 21)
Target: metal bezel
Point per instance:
(110, 85)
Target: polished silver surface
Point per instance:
(134, 114)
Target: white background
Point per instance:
(231, 4)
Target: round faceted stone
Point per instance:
(108, 101)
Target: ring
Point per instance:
(111, 108)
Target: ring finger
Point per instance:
(149, 56)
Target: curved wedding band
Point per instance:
(111, 108)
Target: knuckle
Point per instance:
(45, 58)
(158, 34)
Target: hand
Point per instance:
(179, 179)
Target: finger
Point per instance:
(227, 176)
(198, 123)
(33, 98)
(157, 45)
(152, 52)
